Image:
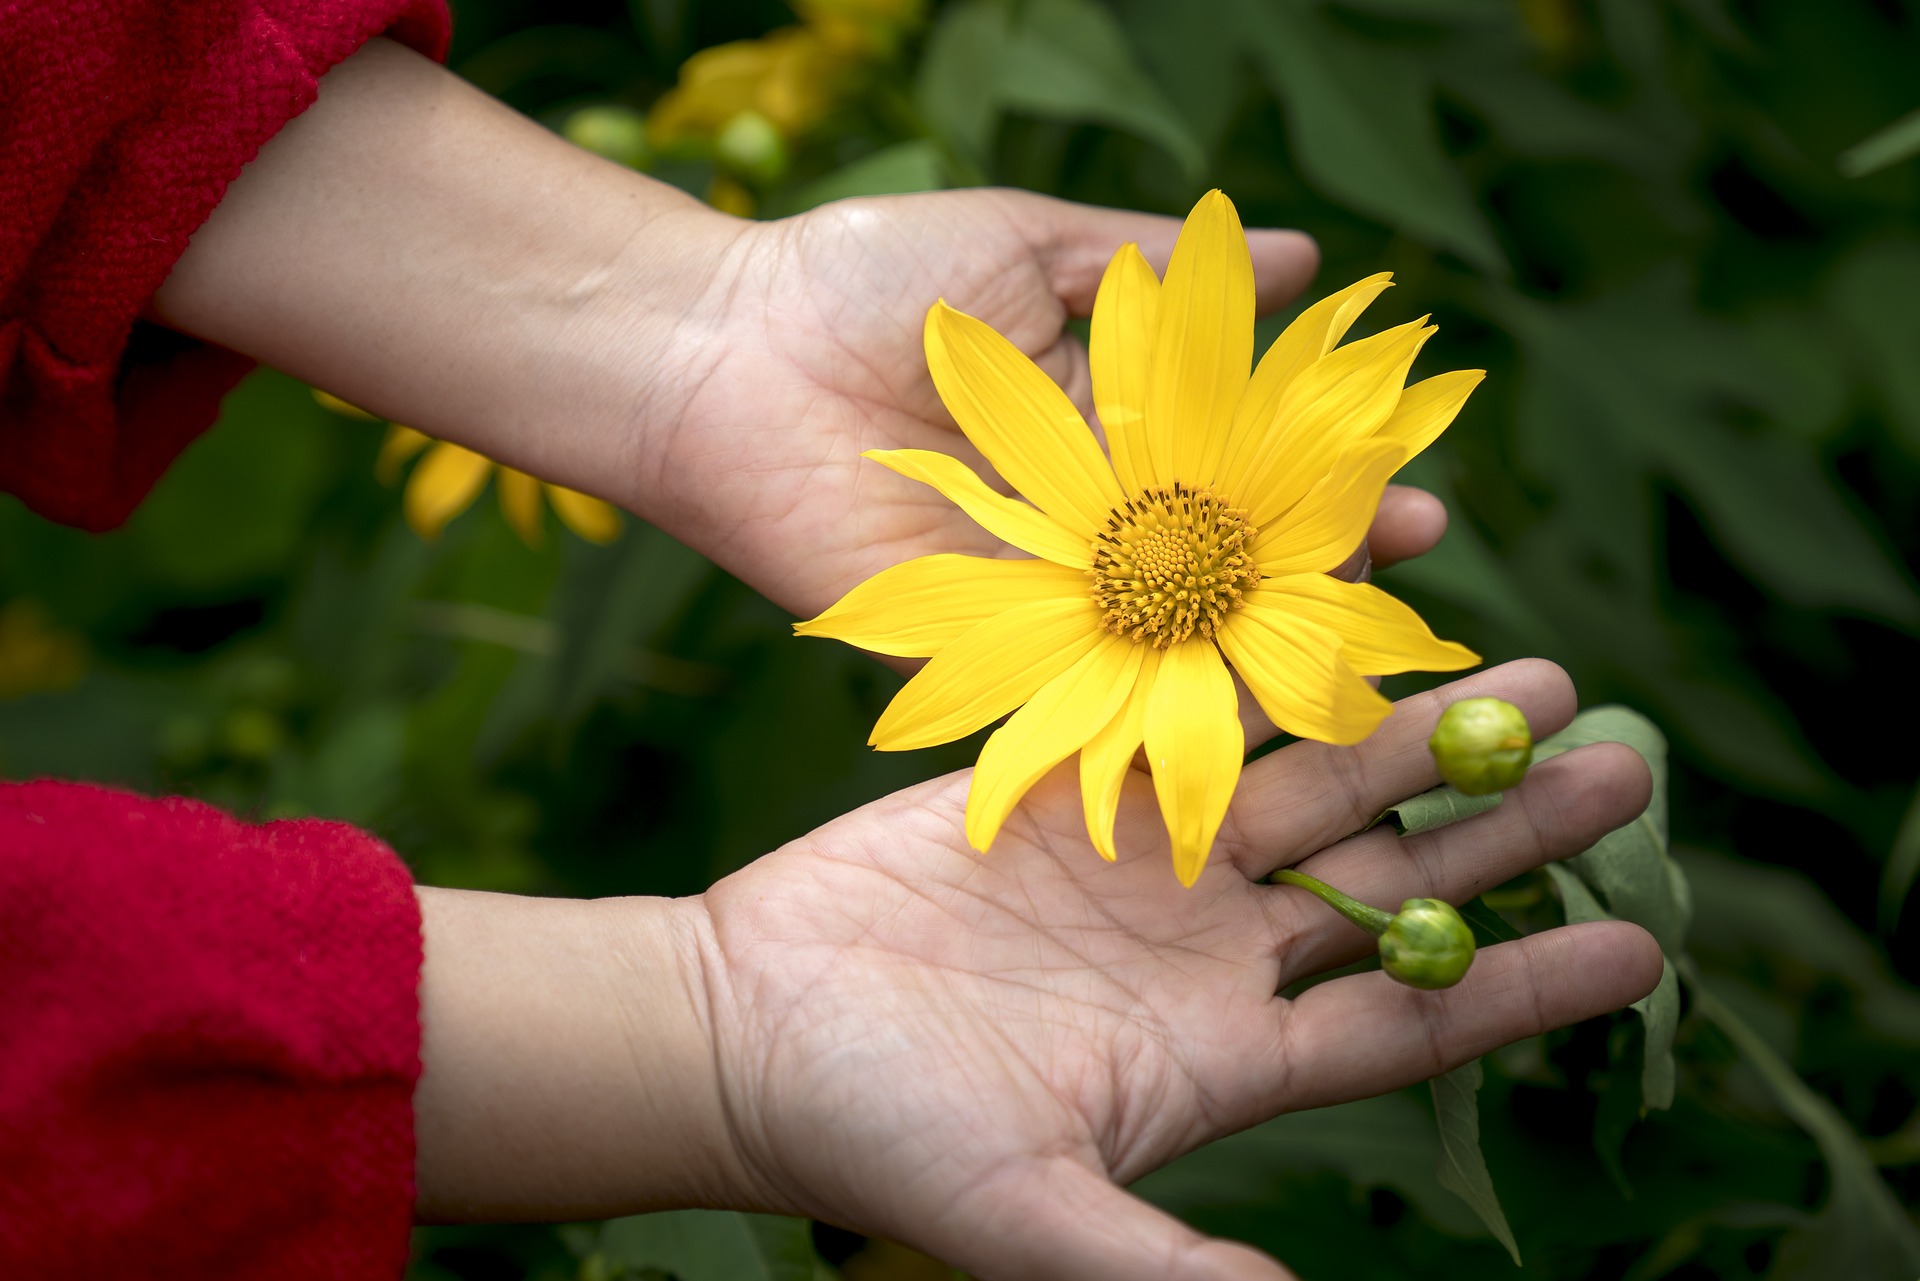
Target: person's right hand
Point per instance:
(810, 351)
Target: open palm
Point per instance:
(814, 354)
(970, 1053)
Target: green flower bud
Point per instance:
(1482, 746)
(750, 145)
(1426, 945)
(618, 133)
(251, 734)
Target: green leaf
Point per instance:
(1872, 295)
(1362, 122)
(1629, 875)
(1884, 147)
(712, 1245)
(1903, 864)
(955, 87)
(1069, 60)
(1437, 808)
(1489, 927)
(1862, 1231)
(906, 166)
(1463, 1169)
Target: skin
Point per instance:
(873, 1025)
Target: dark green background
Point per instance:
(1692, 477)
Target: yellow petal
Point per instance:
(1056, 722)
(520, 504)
(1195, 746)
(345, 408)
(1340, 398)
(988, 672)
(1313, 333)
(401, 444)
(442, 486)
(917, 609)
(1379, 635)
(1203, 342)
(1005, 518)
(1428, 408)
(1325, 527)
(1105, 759)
(1295, 671)
(1020, 420)
(1120, 351)
(589, 517)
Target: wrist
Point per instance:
(568, 1065)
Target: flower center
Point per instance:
(1171, 561)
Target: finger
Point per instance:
(1564, 806)
(1075, 242)
(1410, 523)
(1059, 1220)
(1308, 795)
(1363, 1035)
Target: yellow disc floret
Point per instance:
(1171, 561)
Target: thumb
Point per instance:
(1054, 1219)
(1075, 242)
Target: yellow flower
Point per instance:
(35, 656)
(1203, 542)
(449, 478)
(790, 76)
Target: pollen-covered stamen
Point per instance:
(1171, 561)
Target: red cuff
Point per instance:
(121, 125)
(209, 1039)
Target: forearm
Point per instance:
(568, 1071)
(424, 251)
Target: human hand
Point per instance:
(812, 353)
(973, 1054)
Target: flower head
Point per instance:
(1200, 543)
(449, 478)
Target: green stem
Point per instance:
(1370, 919)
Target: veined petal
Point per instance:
(1056, 722)
(992, 669)
(1108, 755)
(1297, 674)
(1379, 635)
(519, 496)
(1005, 518)
(1120, 352)
(917, 609)
(1428, 408)
(1313, 333)
(591, 518)
(1203, 342)
(1020, 420)
(1195, 746)
(442, 486)
(1340, 398)
(1324, 527)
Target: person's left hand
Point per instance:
(973, 1054)
(808, 351)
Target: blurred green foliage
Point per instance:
(1693, 477)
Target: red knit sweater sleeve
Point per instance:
(121, 124)
(209, 1038)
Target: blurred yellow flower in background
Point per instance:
(35, 656)
(450, 477)
(748, 99)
